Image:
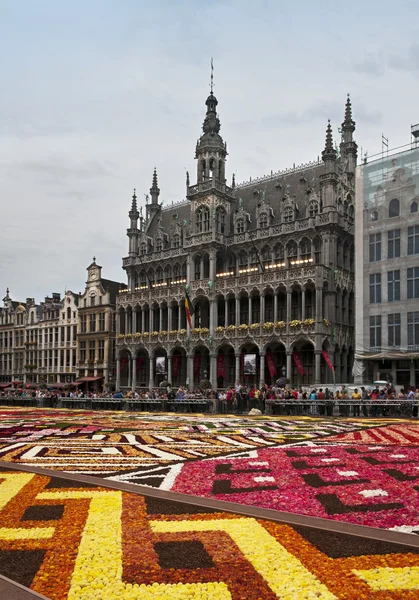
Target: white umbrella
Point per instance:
(380, 382)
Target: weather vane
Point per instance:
(212, 75)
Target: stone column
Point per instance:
(237, 311)
(118, 374)
(188, 270)
(226, 313)
(275, 307)
(151, 375)
(212, 267)
(319, 305)
(189, 371)
(134, 373)
(288, 305)
(250, 310)
(160, 318)
(142, 320)
(169, 317)
(129, 373)
(289, 359)
(262, 309)
(134, 321)
(317, 367)
(201, 269)
(213, 371)
(180, 316)
(303, 304)
(118, 322)
(151, 319)
(262, 369)
(169, 369)
(212, 320)
(237, 367)
(126, 322)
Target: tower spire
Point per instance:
(154, 190)
(212, 75)
(134, 202)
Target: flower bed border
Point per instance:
(363, 531)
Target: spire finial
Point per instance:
(212, 75)
(329, 137)
(94, 259)
(7, 291)
(134, 203)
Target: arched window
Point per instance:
(394, 208)
(317, 250)
(305, 249)
(374, 215)
(288, 215)
(266, 255)
(168, 273)
(240, 225)
(414, 207)
(159, 245)
(292, 250)
(143, 279)
(345, 208)
(198, 273)
(211, 167)
(176, 240)
(203, 168)
(202, 219)
(242, 259)
(220, 217)
(313, 208)
(176, 271)
(263, 221)
(351, 216)
(143, 248)
(135, 280)
(253, 257)
(68, 312)
(151, 275)
(279, 252)
(159, 275)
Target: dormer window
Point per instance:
(263, 221)
(143, 248)
(394, 208)
(220, 217)
(176, 241)
(159, 245)
(240, 226)
(202, 219)
(288, 215)
(414, 207)
(313, 209)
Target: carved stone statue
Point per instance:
(211, 285)
(288, 189)
(240, 203)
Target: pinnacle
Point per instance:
(329, 137)
(348, 110)
(154, 185)
(134, 202)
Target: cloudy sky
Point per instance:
(95, 93)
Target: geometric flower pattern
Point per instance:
(111, 544)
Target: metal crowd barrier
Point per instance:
(344, 408)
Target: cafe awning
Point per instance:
(5, 385)
(84, 379)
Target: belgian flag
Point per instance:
(189, 309)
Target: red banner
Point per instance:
(221, 371)
(140, 362)
(298, 362)
(271, 363)
(123, 363)
(328, 361)
(196, 364)
(176, 362)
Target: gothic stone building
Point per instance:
(269, 266)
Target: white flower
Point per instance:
(348, 473)
(373, 493)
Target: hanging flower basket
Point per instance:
(326, 322)
(295, 323)
(308, 322)
(220, 329)
(268, 326)
(254, 326)
(243, 327)
(280, 325)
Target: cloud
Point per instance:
(370, 64)
(408, 62)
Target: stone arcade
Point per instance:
(269, 265)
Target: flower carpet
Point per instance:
(70, 540)
(361, 471)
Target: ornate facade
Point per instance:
(268, 264)
(96, 329)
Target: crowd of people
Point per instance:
(272, 399)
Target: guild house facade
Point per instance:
(268, 266)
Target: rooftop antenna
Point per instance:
(212, 75)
